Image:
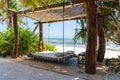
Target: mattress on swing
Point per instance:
(53, 56)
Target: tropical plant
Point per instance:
(110, 17)
(5, 9)
(36, 3)
(80, 33)
(6, 42)
(49, 47)
(111, 22)
(28, 42)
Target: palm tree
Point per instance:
(2, 4)
(80, 33)
(90, 56)
(37, 3)
(5, 11)
(111, 26)
(110, 22)
(29, 3)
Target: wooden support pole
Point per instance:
(41, 42)
(35, 28)
(101, 48)
(90, 62)
(15, 47)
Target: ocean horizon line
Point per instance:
(59, 37)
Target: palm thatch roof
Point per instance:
(54, 13)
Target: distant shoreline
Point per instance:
(68, 42)
(108, 53)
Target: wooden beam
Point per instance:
(15, 47)
(11, 10)
(35, 28)
(2, 19)
(84, 17)
(41, 42)
(90, 57)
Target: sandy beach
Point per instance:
(71, 70)
(108, 54)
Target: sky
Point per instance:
(54, 31)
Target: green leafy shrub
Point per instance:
(28, 42)
(50, 47)
(6, 42)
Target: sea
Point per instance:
(61, 41)
(68, 42)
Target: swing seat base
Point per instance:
(53, 56)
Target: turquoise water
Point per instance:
(69, 42)
(59, 41)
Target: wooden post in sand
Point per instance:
(15, 47)
(90, 56)
(41, 42)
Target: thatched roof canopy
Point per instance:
(54, 13)
(51, 15)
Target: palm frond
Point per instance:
(80, 32)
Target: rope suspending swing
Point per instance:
(63, 25)
(48, 32)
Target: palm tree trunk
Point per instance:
(8, 6)
(101, 49)
(15, 47)
(8, 3)
(90, 62)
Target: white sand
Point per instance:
(108, 54)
